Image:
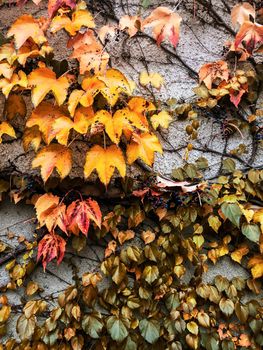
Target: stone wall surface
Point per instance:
(201, 41)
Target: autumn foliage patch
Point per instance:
(182, 223)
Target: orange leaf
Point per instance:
(210, 71)
(241, 13)
(130, 23)
(166, 23)
(92, 86)
(26, 27)
(52, 122)
(43, 80)
(6, 128)
(80, 213)
(251, 34)
(89, 52)
(53, 156)
(14, 105)
(51, 212)
(83, 119)
(124, 236)
(51, 247)
(104, 161)
(143, 146)
(32, 137)
(80, 18)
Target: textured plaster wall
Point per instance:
(199, 43)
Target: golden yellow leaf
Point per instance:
(155, 79)
(162, 119)
(80, 18)
(26, 27)
(51, 157)
(8, 53)
(104, 161)
(238, 254)
(143, 146)
(148, 236)
(6, 128)
(43, 80)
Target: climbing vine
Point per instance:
(159, 234)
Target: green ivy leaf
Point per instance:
(232, 212)
(92, 326)
(150, 330)
(116, 328)
(251, 231)
(226, 306)
(229, 165)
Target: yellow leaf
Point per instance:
(51, 157)
(116, 83)
(162, 119)
(256, 265)
(7, 85)
(104, 161)
(6, 128)
(143, 146)
(80, 18)
(6, 70)
(43, 80)
(83, 119)
(214, 222)
(26, 27)
(155, 79)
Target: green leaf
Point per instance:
(116, 328)
(229, 165)
(25, 327)
(92, 326)
(150, 330)
(251, 231)
(232, 212)
(178, 174)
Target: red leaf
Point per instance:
(80, 213)
(54, 5)
(50, 247)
